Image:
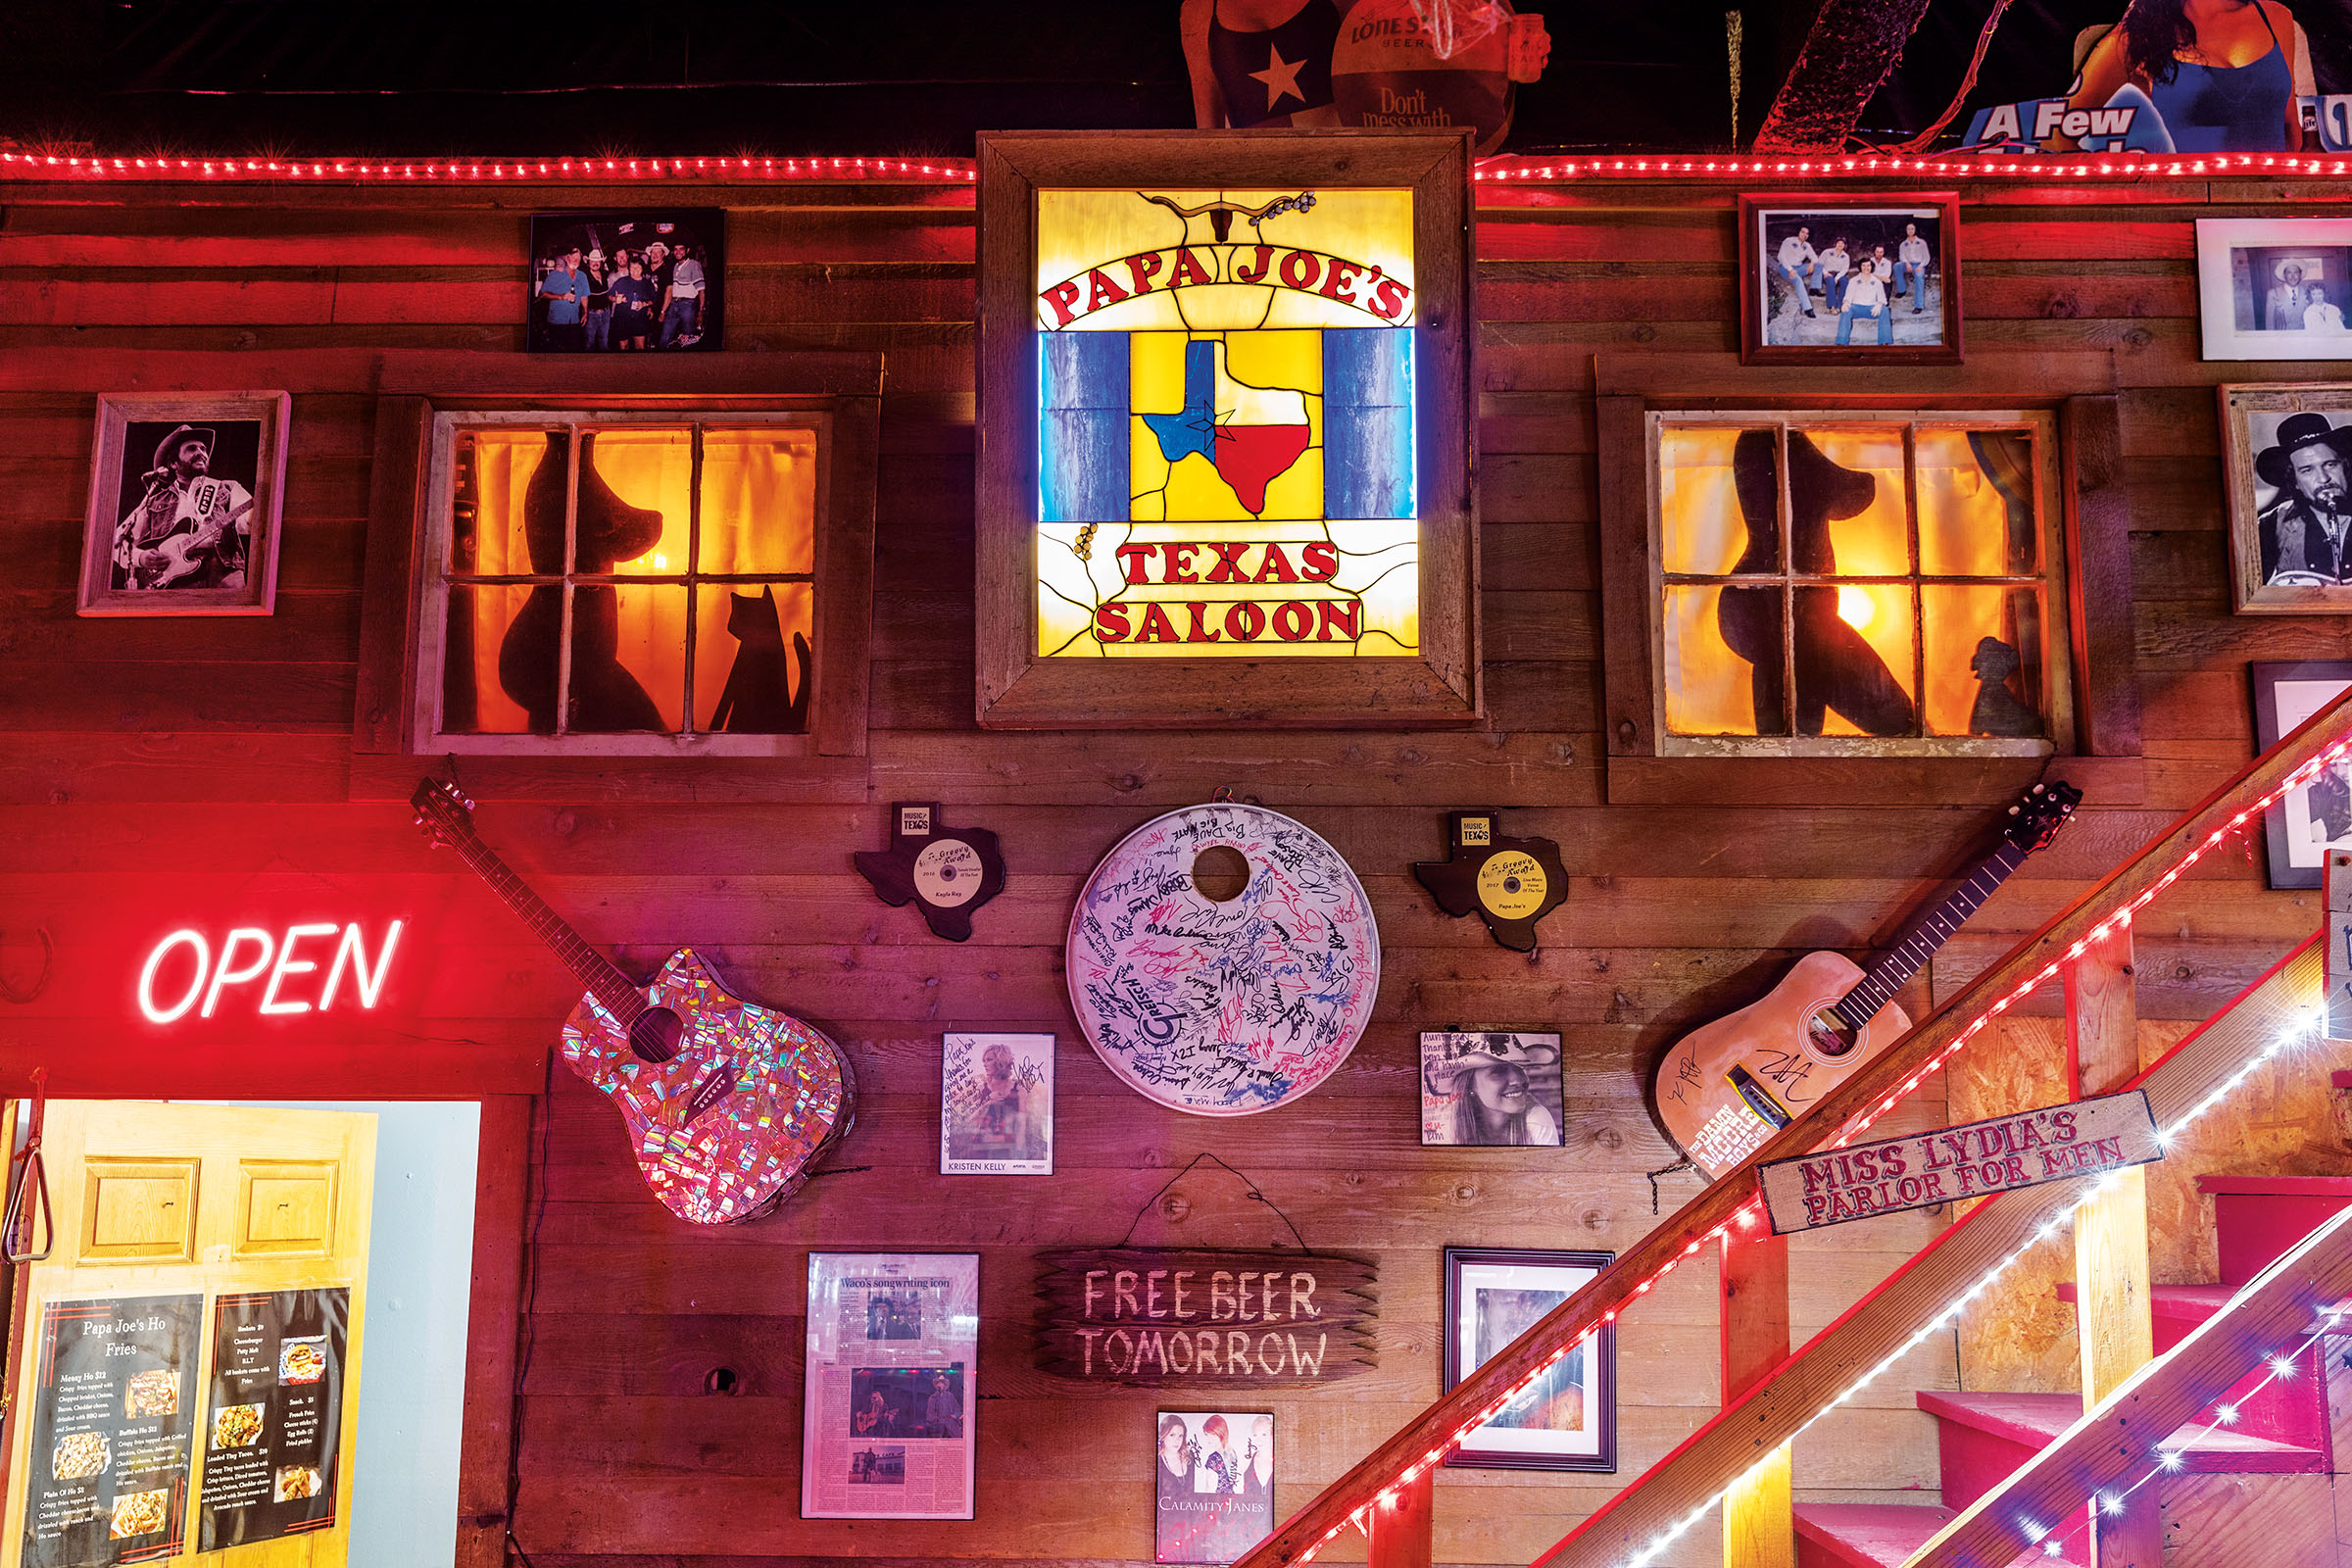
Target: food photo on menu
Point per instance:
(278, 1416)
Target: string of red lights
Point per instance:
(1502, 170)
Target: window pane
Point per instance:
(759, 501)
(1976, 503)
(628, 659)
(1983, 661)
(1854, 661)
(1723, 661)
(1845, 502)
(486, 687)
(635, 501)
(487, 534)
(752, 658)
(1718, 499)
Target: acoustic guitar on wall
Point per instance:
(1728, 1086)
(727, 1103)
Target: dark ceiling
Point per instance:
(312, 77)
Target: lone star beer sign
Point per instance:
(2027, 1149)
(1225, 415)
(1225, 438)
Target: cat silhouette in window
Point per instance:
(758, 698)
(1836, 671)
(604, 696)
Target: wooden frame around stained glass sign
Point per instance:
(1225, 442)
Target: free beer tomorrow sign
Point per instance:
(1226, 439)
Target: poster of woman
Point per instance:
(1213, 1484)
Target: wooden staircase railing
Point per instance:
(1389, 1485)
(2114, 1447)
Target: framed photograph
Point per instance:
(2308, 821)
(891, 1386)
(1865, 279)
(2275, 288)
(1212, 1479)
(1226, 397)
(2288, 452)
(629, 281)
(1490, 1089)
(1567, 1420)
(186, 495)
(995, 1106)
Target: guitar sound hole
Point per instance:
(655, 1036)
(1829, 1035)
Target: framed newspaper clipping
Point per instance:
(891, 1387)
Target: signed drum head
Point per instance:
(1223, 995)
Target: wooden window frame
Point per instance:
(840, 393)
(1017, 688)
(2103, 753)
(2056, 706)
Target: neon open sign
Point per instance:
(183, 973)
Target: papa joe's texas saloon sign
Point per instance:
(1983, 1158)
(1211, 1320)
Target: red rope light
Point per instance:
(1752, 1210)
(1497, 170)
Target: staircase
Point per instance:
(2014, 1467)
(2282, 1428)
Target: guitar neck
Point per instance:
(618, 995)
(1930, 932)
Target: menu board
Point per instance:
(275, 1418)
(112, 1417)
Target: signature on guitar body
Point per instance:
(727, 1103)
(1728, 1086)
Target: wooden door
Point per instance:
(204, 1295)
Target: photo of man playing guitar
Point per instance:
(187, 528)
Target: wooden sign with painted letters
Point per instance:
(1209, 1320)
(2055, 1143)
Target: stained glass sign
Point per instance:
(1225, 423)
(1223, 397)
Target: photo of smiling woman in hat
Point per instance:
(184, 506)
(1492, 1090)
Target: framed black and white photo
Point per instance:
(2275, 288)
(1213, 1484)
(648, 280)
(2288, 455)
(1496, 1088)
(1865, 279)
(995, 1106)
(891, 1386)
(1567, 1418)
(186, 495)
(2302, 825)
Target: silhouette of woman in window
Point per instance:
(1836, 671)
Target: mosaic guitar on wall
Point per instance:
(1223, 1006)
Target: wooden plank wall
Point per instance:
(152, 767)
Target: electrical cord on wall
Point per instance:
(530, 1316)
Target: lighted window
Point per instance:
(613, 584)
(1863, 584)
(1226, 424)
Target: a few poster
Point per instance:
(111, 1428)
(891, 1386)
(1213, 1484)
(275, 1417)
(995, 1106)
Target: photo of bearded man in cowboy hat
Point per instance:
(2302, 526)
(1490, 1089)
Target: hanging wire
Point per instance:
(1249, 1189)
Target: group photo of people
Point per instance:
(625, 282)
(1851, 277)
